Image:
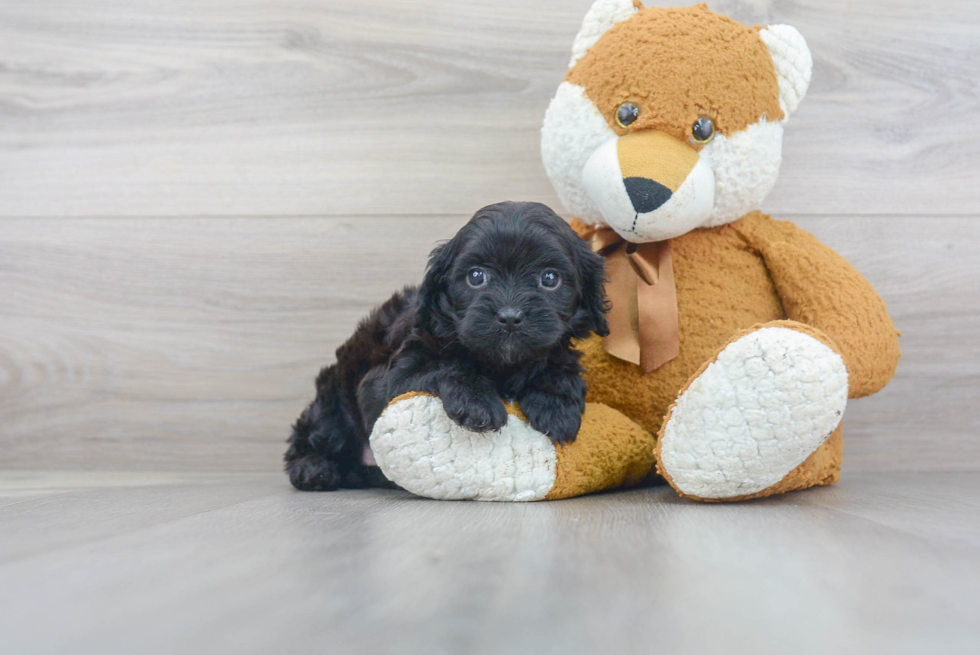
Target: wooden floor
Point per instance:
(240, 563)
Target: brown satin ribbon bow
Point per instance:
(643, 326)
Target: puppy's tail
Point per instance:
(326, 445)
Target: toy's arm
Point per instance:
(820, 288)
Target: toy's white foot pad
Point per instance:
(423, 451)
(754, 414)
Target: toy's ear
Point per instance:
(601, 16)
(794, 64)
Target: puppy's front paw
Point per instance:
(477, 411)
(557, 417)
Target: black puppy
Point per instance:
(493, 318)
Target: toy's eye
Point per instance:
(476, 278)
(626, 114)
(703, 130)
(550, 280)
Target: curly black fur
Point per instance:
(507, 339)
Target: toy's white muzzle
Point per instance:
(650, 186)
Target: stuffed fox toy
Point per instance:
(735, 340)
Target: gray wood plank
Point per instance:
(185, 342)
(192, 344)
(376, 571)
(267, 108)
(108, 505)
(942, 508)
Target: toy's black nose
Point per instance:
(510, 317)
(646, 195)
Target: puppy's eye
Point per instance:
(703, 130)
(626, 114)
(550, 280)
(476, 278)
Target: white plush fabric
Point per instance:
(745, 166)
(573, 129)
(793, 61)
(578, 149)
(577, 145)
(768, 401)
(602, 15)
(687, 208)
(420, 449)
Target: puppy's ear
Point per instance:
(591, 314)
(434, 315)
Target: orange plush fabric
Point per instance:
(675, 66)
(820, 288)
(655, 46)
(725, 284)
(610, 451)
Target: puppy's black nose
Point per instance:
(646, 195)
(510, 317)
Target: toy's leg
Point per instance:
(610, 451)
(761, 418)
(420, 449)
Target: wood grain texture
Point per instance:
(302, 158)
(259, 108)
(183, 342)
(885, 563)
(193, 343)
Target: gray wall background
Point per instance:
(199, 200)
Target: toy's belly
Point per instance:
(722, 287)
